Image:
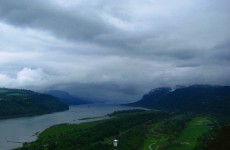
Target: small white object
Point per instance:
(115, 142)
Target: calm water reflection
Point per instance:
(23, 129)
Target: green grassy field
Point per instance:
(188, 138)
(154, 139)
(177, 138)
(160, 132)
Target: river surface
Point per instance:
(24, 129)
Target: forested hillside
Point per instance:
(19, 103)
(196, 98)
(135, 130)
(130, 127)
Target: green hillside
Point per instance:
(19, 103)
(196, 98)
(203, 111)
(135, 130)
(129, 127)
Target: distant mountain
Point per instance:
(65, 97)
(198, 98)
(20, 103)
(151, 99)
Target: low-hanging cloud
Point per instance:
(113, 50)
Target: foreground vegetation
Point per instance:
(144, 130)
(221, 140)
(19, 103)
(199, 99)
(189, 136)
(96, 135)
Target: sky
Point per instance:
(113, 50)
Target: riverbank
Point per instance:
(25, 128)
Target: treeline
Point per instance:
(19, 103)
(130, 128)
(97, 135)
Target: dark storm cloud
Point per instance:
(113, 50)
(222, 52)
(45, 16)
(94, 91)
(188, 65)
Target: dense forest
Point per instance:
(138, 129)
(19, 103)
(133, 129)
(196, 98)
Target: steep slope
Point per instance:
(199, 98)
(65, 97)
(151, 99)
(19, 103)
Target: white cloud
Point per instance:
(30, 76)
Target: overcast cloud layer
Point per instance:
(113, 50)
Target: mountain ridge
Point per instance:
(22, 103)
(195, 98)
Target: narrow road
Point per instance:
(150, 146)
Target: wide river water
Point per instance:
(24, 129)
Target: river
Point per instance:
(24, 129)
